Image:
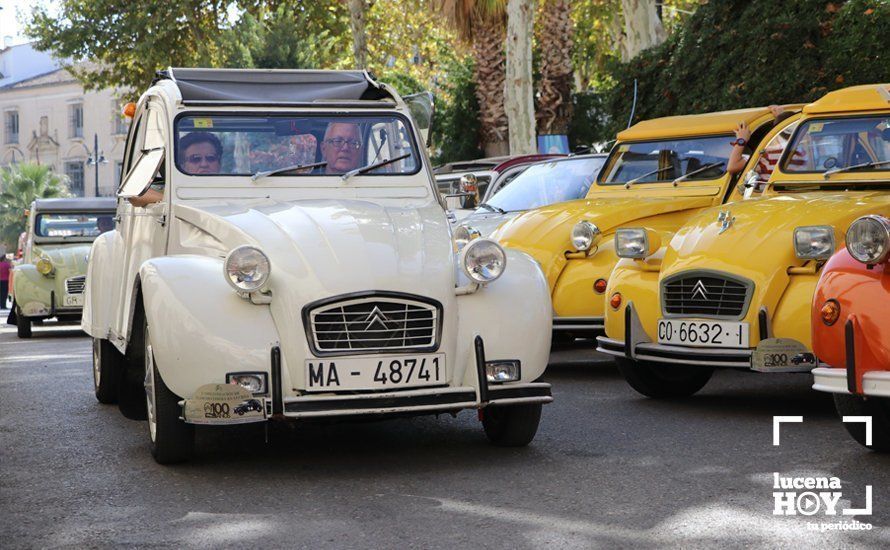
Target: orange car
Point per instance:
(851, 329)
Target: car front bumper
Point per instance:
(834, 380)
(590, 325)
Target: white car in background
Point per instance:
(277, 286)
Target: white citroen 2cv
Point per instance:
(281, 252)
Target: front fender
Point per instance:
(98, 300)
(636, 285)
(514, 317)
(573, 293)
(32, 291)
(200, 328)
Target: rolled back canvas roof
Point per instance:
(266, 85)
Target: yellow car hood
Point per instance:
(759, 241)
(545, 233)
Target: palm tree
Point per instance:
(554, 91)
(20, 184)
(483, 25)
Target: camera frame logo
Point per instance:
(814, 495)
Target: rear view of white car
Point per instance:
(290, 258)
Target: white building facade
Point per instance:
(49, 119)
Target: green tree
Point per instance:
(20, 185)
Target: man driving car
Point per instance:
(341, 147)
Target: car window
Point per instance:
(243, 145)
(825, 144)
(548, 183)
(73, 224)
(667, 160)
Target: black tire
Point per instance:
(511, 425)
(561, 338)
(131, 381)
(22, 325)
(172, 440)
(878, 408)
(107, 365)
(663, 381)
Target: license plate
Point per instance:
(373, 373)
(703, 333)
(72, 300)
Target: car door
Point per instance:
(144, 229)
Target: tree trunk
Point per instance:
(488, 52)
(357, 14)
(642, 27)
(555, 85)
(518, 93)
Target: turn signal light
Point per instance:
(615, 300)
(599, 286)
(129, 110)
(831, 310)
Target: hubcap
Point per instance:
(150, 388)
(97, 358)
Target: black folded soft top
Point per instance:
(267, 86)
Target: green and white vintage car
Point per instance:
(50, 279)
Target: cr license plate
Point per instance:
(72, 300)
(702, 333)
(373, 373)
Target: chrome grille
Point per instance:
(705, 295)
(75, 285)
(374, 324)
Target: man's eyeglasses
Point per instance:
(196, 159)
(339, 143)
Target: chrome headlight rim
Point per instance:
(638, 233)
(466, 256)
(41, 268)
(585, 235)
(253, 286)
(822, 255)
(882, 223)
(464, 235)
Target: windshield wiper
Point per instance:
(828, 173)
(492, 208)
(646, 175)
(685, 177)
(259, 175)
(370, 167)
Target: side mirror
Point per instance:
(422, 107)
(142, 174)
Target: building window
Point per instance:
(11, 124)
(75, 120)
(74, 171)
(121, 123)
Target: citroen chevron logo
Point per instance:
(378, 317)
(699, 290)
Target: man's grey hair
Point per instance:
(331, 125)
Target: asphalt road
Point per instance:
(608, 469)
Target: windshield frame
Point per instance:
(420, 159)
(600, 180)
(803, 123)
(601, 158)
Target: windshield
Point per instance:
(548, 183)
(828, 144)
(660, 161)
(73, 225)
(244, 145)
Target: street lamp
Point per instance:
(95, 159)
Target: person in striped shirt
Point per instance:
(741, 150)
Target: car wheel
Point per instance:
(511, 425)
(663, 381)
(107, 364)
(878, 408)
(22, 325)
(172, 440)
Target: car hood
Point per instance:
(323, 248)
(758, 245)
(487, 222)
(544, 233)
(68, 259)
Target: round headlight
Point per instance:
(463, 235)
(483, 260)
(44, 266)
(585, 235)
(247, 268)
(868, 239)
